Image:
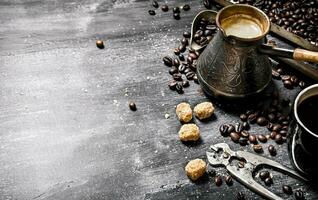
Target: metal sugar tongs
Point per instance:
(221, 155)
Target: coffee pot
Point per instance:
(235, 64)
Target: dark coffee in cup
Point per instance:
(303, 132)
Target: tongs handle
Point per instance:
(245, 176)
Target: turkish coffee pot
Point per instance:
(235, 64)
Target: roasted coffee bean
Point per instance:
(185, 83)
(155, 4)
(176, 10)
(182, 68)
(224, 129)
(272, 150)
(185, 41)
(186, 34)
(207, 4)
(193, 56)
(229, 180)
(179, 88)
(177, 77)
(287, 189)
(258, 148)
(167, 61)
(176, 51)
(181, 57)
(172, 85)
(261, 121)
(246, 125)
(240, 196)
(173, 70)
(245, 134)
(132, 106)
(190, 75)
(231, 128)
(176, 62)
(164, 8)
(288, 84)
(285, 128)
(100, 44)
(189, 59)
(299, 195)
(218, 180)
(186, 7)
(271, 117)
(268, 181)
(264, 174)
(283, 133)
(252, 118)
(270, 126)
(182, 48)
(252, 139)
(152, 12)
(277, 128)
(238, 127)
(302, 84)
(262, 138)
(243, 117)
(280, 71)
(275, 74)
(235, 137)
(273, 135)
(243, 141)
(241, 164)
(294, 80)
(279, 139)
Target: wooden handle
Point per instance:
(305, 55)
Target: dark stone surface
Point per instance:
(66, 131)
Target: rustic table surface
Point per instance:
(66, 131)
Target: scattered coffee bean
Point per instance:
(268, 181)
(238, 127)
(231, 128)
(262, 121)
(229, 180)
(207, 4)
(273, 135)
(243, 117)
(252, 118)
(288, 84)
(172, 85)
(245, 134)
(240, 196)
(277, 128)
(262, 138)
(241, 164)
(275, 74)
(176, 16)
(270, 126)
(243, 141)
(186, 7)
(264, 174)
(271, 117)
(258, 148)
(287, 189)
(164, 8)
(100, 44)
(246, 125)
(176, 10)
(299, 195)
(302, 84)
(272, 151)
(177, 77)
(235, 137)
(283, 133)
(132, 106)
(294, 80)
(179, 88)
(167, 61)
(186, 34)
(155, 4)
(152, 12)
(184, 41)
(252, 139)
(218, 180)
(181, 57)
(279, 139)
(185, 83)
(182, 48)
(224, 129)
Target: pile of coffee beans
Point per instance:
(289, 81)
(165, 8)
(183, 65)
(299, 17)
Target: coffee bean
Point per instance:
(182, 68)
(185, 83)
(235, 137)
(262, 138)
(240, 196)
(229, 180)
(252, 139)
(186, 34)
(277, 127)
(176, 10)
(193, 56)
(258, 148)
(173, 70)
(302, 84)
(288, 84)
(177, 77)
(155, 4)
(252, 118)
(181, 57)
(152, 12)
(241, 164)
(164, 8)
(186, 7)
(238, 127)
(262, 121)
(287, 189)
(207, 4)
(280, 71)
(243, 141)
(271, 117)
(176, 51)
(243, 117)
(275, 74)
(218, 180)
(185, 41)
(245, 134)
(190, 75)
(230, 129)
(279, 139)
(294, 80)
(132, 106)
(270, 126)
(182, 48)
(167, 61)
(283, 133)
(179, 88)
(272, 151)
(176, 16)
(264, 174)
(224, 129)
(273, 135)
(100, 44)
(299, 195)
(172, 85)
(268, 181)
(246, 125)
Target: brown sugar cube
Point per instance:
(184, 112)
(189, 132)
(195, 169)
(203, 110)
